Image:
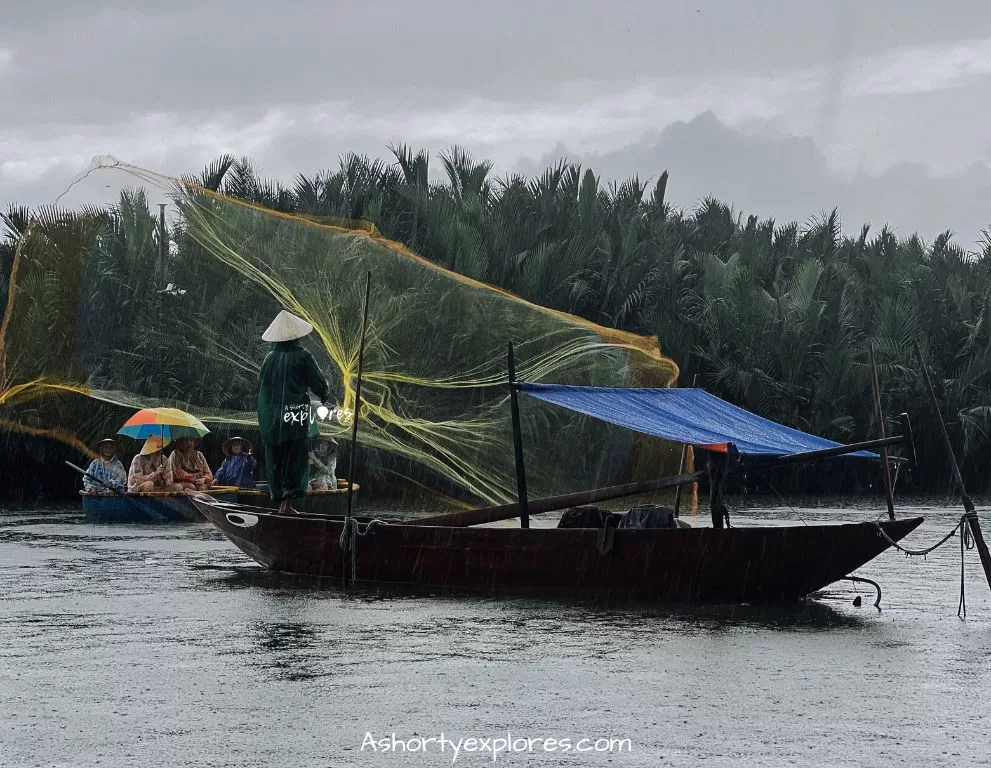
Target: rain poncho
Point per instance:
(323, 468)
(110, 472)
(191, 467)
(238, 470)
(285, 417)
(284, 410)
(144, 467)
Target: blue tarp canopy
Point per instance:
(690, 416)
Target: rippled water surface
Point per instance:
(163, 645)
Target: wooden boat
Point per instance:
(333, 502)
(649, 563)
(146, 507)
(695, 565)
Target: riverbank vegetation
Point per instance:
(778, 317)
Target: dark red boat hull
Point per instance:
(697, 565)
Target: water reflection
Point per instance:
(286, 648)
(803, 614)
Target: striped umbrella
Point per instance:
(167, 423)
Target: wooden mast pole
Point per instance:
(552, 503)
(518, 442)
(885, 467)
(163, 252)
(968, 505)
(681, 462)
(357, 394)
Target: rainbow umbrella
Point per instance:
(167, 423)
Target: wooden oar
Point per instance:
(552, 503)
(156, 516)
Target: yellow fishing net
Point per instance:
(99, 314)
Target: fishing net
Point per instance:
(101, 319)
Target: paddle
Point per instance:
(156, 516)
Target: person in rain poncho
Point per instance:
(189, 466)
(151, 469)
(238, 468)
(323, 464)
(107, 468)
(284, 411)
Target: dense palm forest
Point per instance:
(779, 318)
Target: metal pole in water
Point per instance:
(518, 442)
(968, 505)
(885, 467)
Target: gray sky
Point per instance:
(879, 108)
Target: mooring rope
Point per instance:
(781, 499)
(349, 540)
(919, 552)
(962, 605)
(966, 542)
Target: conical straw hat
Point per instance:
(286, 327)
(245, 445)
(153, 444)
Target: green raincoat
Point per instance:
(286, 418)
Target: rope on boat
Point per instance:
(349, 539)
(927, 550)
(781, 499)
(966, 542)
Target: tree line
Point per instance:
(779, 318)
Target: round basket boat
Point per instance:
(152, 507)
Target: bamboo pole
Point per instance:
(357, 394)
(909, 442)
(968, 505)
(518, 443)
(681, 462)
(552, 503)
(825, 453)
(885, 467)
(163, 249)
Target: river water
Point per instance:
(130, 646)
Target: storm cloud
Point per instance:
(879, 109)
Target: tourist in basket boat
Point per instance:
(238, 469)
(323, 464)
(189, 466)
(285, 420)
(107, 468)
(151, 469)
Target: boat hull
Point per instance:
(692, 566)
(171, 507)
